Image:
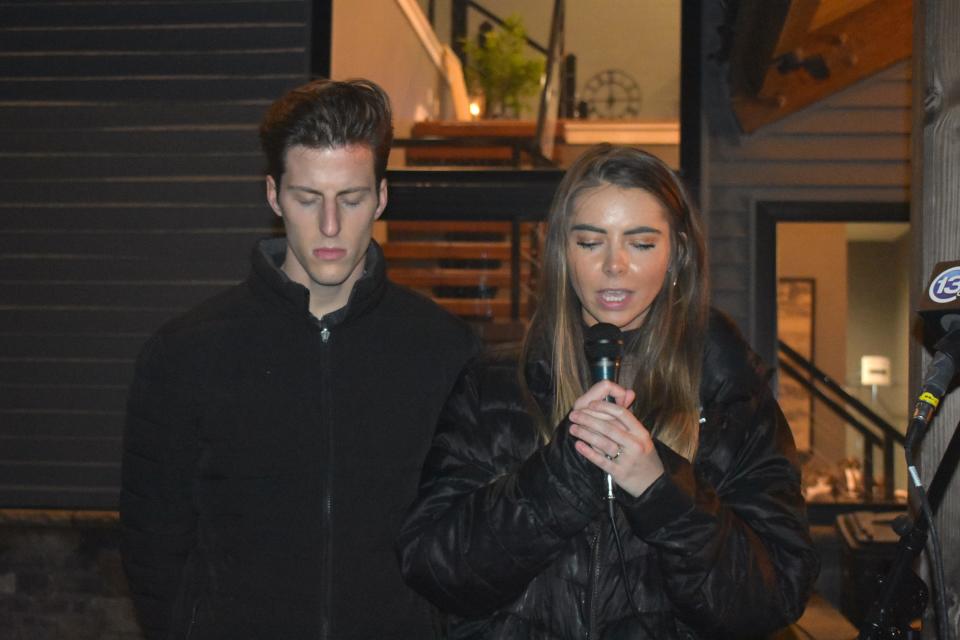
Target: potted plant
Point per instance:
(497, 66)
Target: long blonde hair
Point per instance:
(669, 344)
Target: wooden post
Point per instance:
(935, 223)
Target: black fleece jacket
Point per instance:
(269, 456)
(511, 536)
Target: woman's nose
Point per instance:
(615, 262)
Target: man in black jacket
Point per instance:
(275, 433)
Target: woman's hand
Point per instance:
(612, 438)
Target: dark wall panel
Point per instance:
(131, 188)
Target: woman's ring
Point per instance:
(617, 454)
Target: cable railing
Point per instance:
(796, 366)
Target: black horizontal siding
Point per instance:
(49, 116)
(223, 36)
(36, 425)
(70, 345)
(131, 188)
(106, 166)
(40, 14)
(106, 64)
(81, 267)
(119, 217)
(135, 139)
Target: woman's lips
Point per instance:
(613, 298)
(329, 254)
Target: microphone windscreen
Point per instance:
(603, 341)
(940, 304)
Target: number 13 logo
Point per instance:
(946, 286)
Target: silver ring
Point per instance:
(617, 454)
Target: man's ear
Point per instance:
(273, 196)
(382, 197)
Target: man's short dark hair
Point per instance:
(326, 114)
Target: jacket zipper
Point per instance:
(594, 585)
(326, 527)
(193, 619)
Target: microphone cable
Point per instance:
(625, 578)
(939, 375)
(603, 347)
(933, 538)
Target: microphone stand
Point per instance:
(891, 613)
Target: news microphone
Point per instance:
(940, 310)
(603, 345)
(940, 307)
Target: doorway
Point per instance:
(833, 286)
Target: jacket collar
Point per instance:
(269, 282)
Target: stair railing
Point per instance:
(791, 363)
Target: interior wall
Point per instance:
(827, 267)
(878, 324)
(373, 39)
(639, 37)
(876, 321)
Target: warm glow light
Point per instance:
(474, 109)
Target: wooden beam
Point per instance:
(852, 48)
(831, 10)
(797, 25)
(804, 16)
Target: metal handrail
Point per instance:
(870, 439)
(827, 381)
(479, 8)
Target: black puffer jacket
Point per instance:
(269, 458)
(511, 536)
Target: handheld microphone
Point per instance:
(940, 310)
(603, 345)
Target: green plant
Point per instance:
(497, 66)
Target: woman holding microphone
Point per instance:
(705, 533)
